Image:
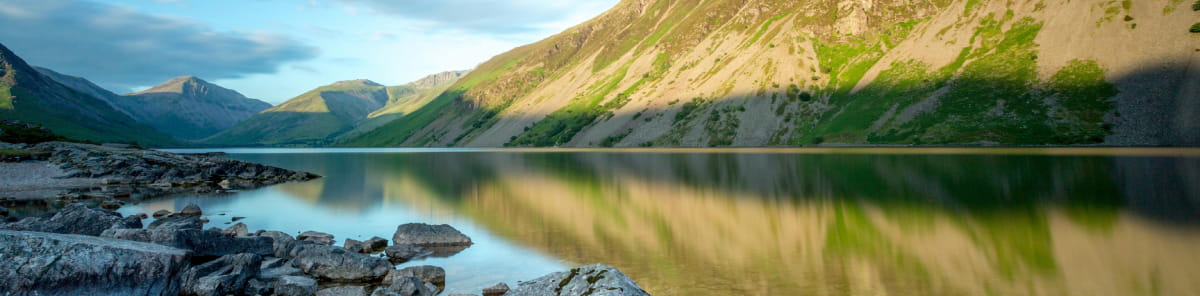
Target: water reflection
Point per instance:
(778, 224)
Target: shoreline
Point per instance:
(99, 251)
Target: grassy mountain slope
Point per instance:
(190, 108)
(29, 96)
(309, 119)
(758, 72)
(405, 99)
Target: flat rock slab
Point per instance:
(41, 263)
(426, 235)
(595, 279)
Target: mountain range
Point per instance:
(760, 73)
(186, 108)
(655, 73)
(329, 113)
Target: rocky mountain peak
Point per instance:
(438, 79)
(356, 82)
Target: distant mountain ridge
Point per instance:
(29, 96)
(329, 113)
(190, 108)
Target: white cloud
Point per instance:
(121, 48)
(489, 16)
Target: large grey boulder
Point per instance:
(334, 264)
(35, 263)
(426, 235)
(200, 242)
(238, 230)
(191, 210)
(595, 279)
(75, 219)
(226, 275)
(496, 290)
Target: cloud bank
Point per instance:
(489, 16)
(120, 48)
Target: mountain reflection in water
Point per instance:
(698, 223)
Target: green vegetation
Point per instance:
(560, 126)
(1196, 6)
(6, 98)
(1195, 28)
(722, 125)
(763, 29)
(18, 133)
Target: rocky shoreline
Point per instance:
(83, 249)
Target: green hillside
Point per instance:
(28, 96)
(763, 73)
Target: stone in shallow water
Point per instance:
(161, 213)
(191, 210)
(316, 237)
(426, 235)
(334, 264)
(595, 279)
(238, 230)
(427, 273)
(63, 264)
(496, 290)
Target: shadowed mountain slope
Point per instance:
(759, 72)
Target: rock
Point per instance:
(329, 263)
(407, 286)
(3, 211)
(294, 286)
(316, 237)
(200, 242)
(35, 263)
(376, 244)
(355, 246)
(235, 219)
(404, 253)
(142, 216)
(75, 219)
(425, 235)
(284, 244)
(257, 287)
(226, 275)
(160, 213)
(177, 223)
(110, 205)
(595, 279)
(274, 268)
(427, 273)
(191, 210)
(344, 291)
(496, 290)
(238, 230)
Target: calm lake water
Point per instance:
(763, 222)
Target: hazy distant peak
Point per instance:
(435, 80)
(181, 84)
(363, 82)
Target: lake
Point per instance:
(837, 221)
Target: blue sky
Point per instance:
(276, 49)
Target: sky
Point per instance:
(274, 50)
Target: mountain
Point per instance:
(759, 72)
(405, 99)
(309, 119)
(189, 108)
(29, 96)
